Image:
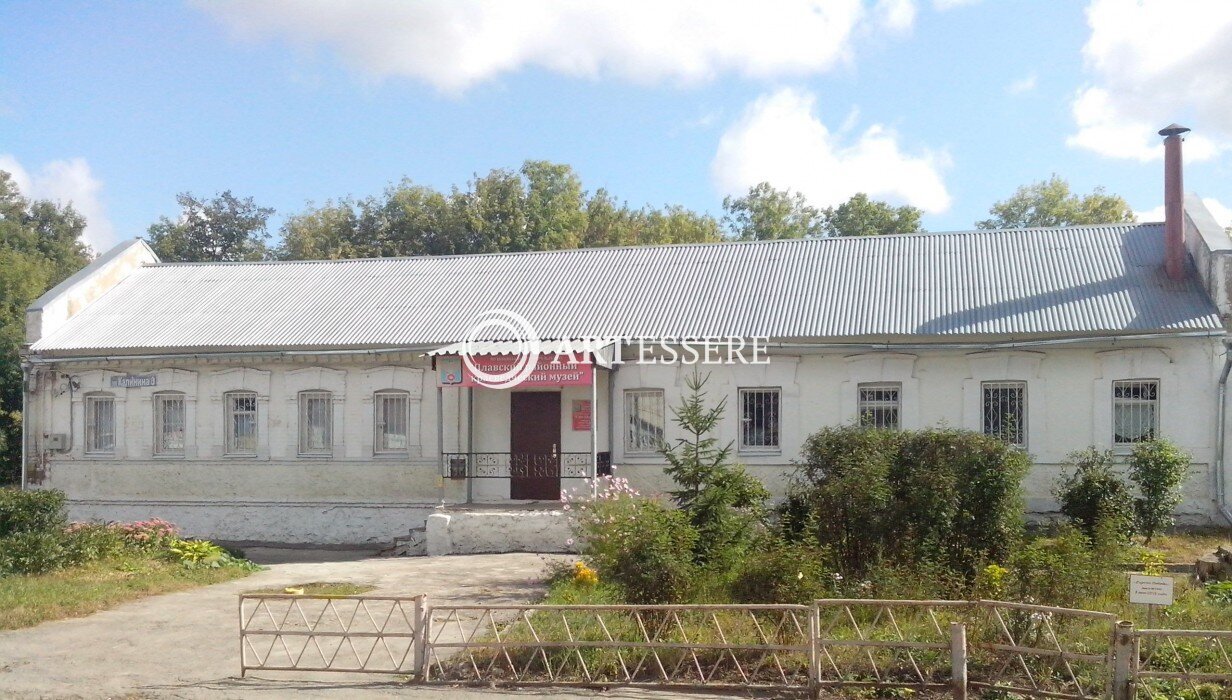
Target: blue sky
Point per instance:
(945, 104)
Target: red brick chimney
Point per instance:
(1174, 202)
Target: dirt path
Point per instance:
(186, 644)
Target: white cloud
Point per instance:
(67, 182)
(1153, 62)
(1022, 85)
(780, 140)
(454, 44)
(1222, 214)
(896, 16)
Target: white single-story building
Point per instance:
(324, 402)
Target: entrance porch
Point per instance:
(528, 443)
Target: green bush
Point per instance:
(640, 544)
(1092, 494)
(86, 542)
(32, 552)
(31, 511)
(1158, 468)
(947, 499)
(783, 572)
(1063, 570)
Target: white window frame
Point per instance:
(304, 403)
(1135, 404)
(999, 431)
(93, 445)
(230, 448)
(642, 406)
(378, 424)
(743, 394)
(161, 399)
(865, 406)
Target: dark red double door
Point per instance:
(534, 444)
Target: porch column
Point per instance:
(594, 426)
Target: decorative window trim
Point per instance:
(866, 406)
(90, 445)
(379, 398)
(999, 430)
(657, 400)
(771, 443)
(304, 399)
(230, 448)
(159, 447)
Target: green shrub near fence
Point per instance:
(948, 499)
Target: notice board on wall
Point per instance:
(581, 414)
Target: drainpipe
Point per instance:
(25, 390)
(1221, 495)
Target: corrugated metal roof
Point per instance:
(1091, 280)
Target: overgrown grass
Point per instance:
(323, 588)
(1186, 547)
(81, 590)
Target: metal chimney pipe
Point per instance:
(1174, 202)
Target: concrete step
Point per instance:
(413, 545)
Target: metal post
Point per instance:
(958, 660)
(470, 442)
(425, 639)
(1124, 661)
(814, 657)
(243, 663)
(421, 635)
(440, 441)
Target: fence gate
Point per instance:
(352, 634)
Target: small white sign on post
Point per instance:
(1150, 590)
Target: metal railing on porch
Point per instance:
(507, 465)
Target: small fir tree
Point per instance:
(725, 504)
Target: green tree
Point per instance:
(223, 229)
(40, 246)
(861, 216)
(1051, 203)
(1158, 468)
(541, 206)
(766, 213)
(724, 503)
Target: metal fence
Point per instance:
(1168, 662)
(351, 634)
(1012, 648)
(696, 646)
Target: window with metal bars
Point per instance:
(644, 420)
(1135, 411)
(169, 422)
(241, 423)
(316, 423)
(100, 424)
(879, 405)
(390, 409)
(1003, 405)
(759, 419)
